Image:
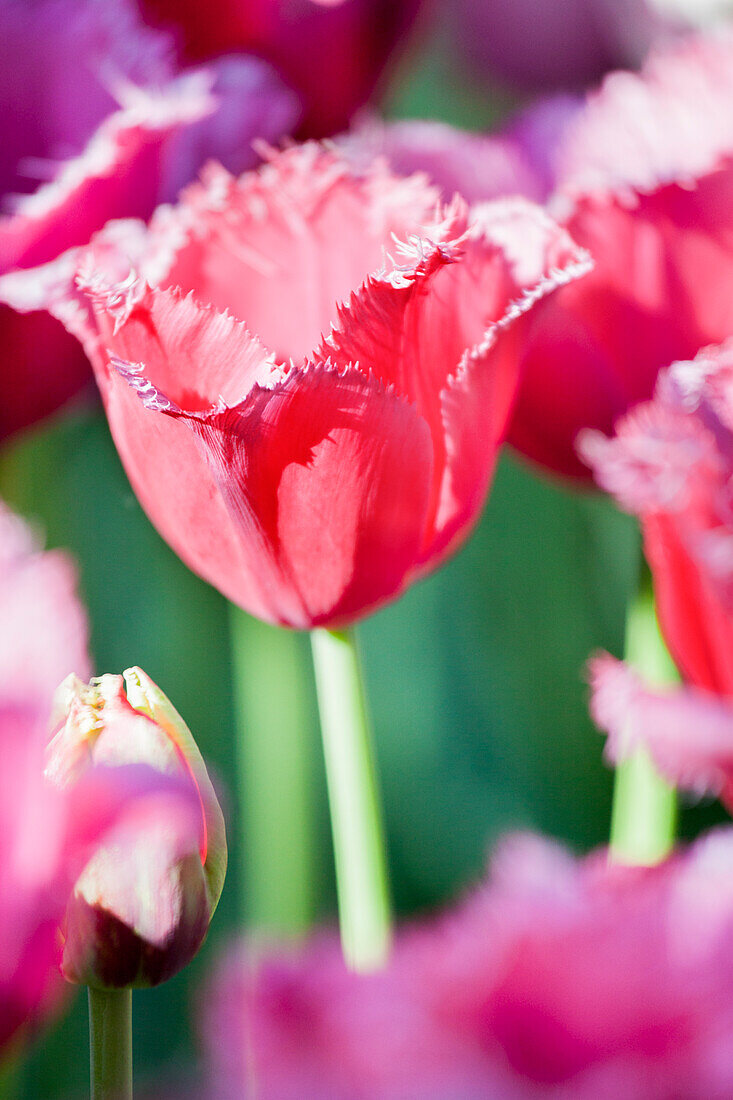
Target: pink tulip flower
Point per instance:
(308, 372)
(687, 731)
(558, 978)
(97, 122)
(670, 463)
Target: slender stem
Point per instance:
(644, 815)
(110, 1044)
(274, 715)
(356, 818)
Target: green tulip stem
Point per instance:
(275, 761)
(644, 814)
(356, 817)
(11, 1075)
(110, 1043)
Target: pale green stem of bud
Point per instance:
(110, 1044)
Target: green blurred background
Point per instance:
(476, 682)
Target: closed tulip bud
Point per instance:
(141, 907)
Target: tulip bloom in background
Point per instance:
(558, 977)
(332, 54)
(670, 463)
(644, 185)
(98, 122)
(551, 45)
(640, 176)
(44, 634)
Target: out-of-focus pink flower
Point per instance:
(46, 835)
(688, 732)
(549, 45)
(332, 53)
(671, 463)
(559, 978)
(98, 123)
(332, 437)
(142, 905)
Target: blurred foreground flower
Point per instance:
(332, 53)
(559, 977)
(141, 907)
(315, 462)
(97, 122)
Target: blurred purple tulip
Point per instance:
(554, 45)
(98, 122)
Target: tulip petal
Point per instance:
(440, 332)
(146, 696)
(121, 169)
(353, 457)
(348, 454)
(689, 733)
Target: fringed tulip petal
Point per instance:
(688, 733)
(303, 231)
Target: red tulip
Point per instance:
(332, 53)
(670, 463)
(315, 462)
(94, 108)
(142, 905)
(559, 977)
(647, 186)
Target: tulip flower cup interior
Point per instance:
(308, 372)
